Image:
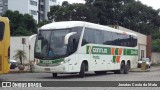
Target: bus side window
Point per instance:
(88, 37)
(98, 36)
(107, 38)
(1, 30)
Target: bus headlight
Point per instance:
(37, 61)
(65, 61)
(62, 62)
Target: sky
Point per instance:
(153, 3)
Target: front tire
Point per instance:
(82, 70)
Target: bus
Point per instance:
(78, 47)
(4, 45)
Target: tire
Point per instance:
(149, 66)
(127, 68)
(122, 69)
(82, 70)
(100, 72)
(12, 67)
(54, 75)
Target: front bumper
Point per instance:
(50, 69)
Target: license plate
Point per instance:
(47, 69)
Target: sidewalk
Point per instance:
(16, 70)
(153, 68)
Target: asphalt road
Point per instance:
(90, 76)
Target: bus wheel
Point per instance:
(122, 69)
(127, 67)
(54, 75)
(82, 71)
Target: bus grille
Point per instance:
(0, 63)
(48, 65)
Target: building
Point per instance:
(24, 6)
(37, 8)
(44, 8)
(144, 42)
(3, 6)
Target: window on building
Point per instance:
(142, 54)
(33, 2)
(33, 12)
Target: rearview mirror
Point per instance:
(66, 39)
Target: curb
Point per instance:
(140, 70)
(148, 70)
(19, 72)
(156, 70)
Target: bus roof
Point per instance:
(71, 24)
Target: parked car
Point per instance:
(13, 64)
(147, 60)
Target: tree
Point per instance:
(20, 24)
(41, 23)
(21, 55)
(156, 45)
(139, 17)
(30, 23)
(22, 31)
(68, 12)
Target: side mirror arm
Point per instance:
(66, 39)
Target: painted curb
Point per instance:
(19, 71)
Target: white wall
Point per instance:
(16, 44)
(155, 58)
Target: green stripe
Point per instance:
(114, 59)
(132, 52)
(125, 52)
(99, 50)
(87, 48)
(116, 51)
(107, 51)
(51, 61)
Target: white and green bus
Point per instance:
(78, 47)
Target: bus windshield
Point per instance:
(50, 44)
